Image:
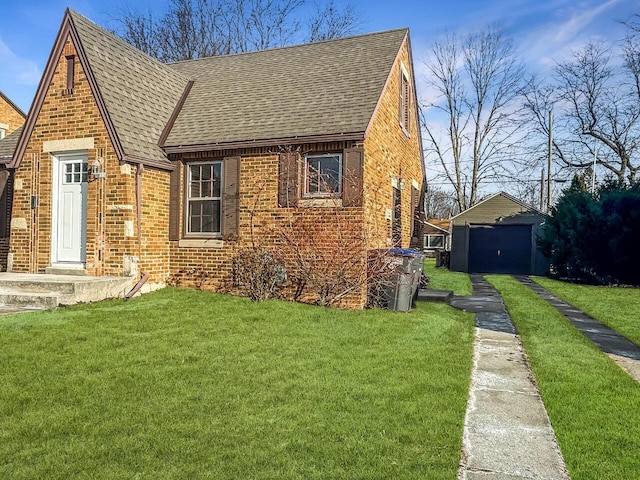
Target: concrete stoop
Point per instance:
(44, 291)
(428, 295)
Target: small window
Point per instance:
(433, 241)
(3, 133)
(405, 102)
(75, 173)
(323, 175)
(204, 198)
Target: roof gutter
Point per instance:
(163, 165)
(273, 142)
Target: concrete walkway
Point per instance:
(507, 433)
(619, 348)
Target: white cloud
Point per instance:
(16, 70)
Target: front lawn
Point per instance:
(593, 404)
(443, 279)
(181, 384)
(616, 307)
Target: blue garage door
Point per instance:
(500, 249)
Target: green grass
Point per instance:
(616, 307)
(594, 405)
(443, 279)
(181, 384)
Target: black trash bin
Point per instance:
(399, 287)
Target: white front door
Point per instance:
(69, 212)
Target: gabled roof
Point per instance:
(314, 92)
(508, 197)
(443, 225)
(135, 93)
(328, 88)
(13, 105)
(8, 145)
(139, 92)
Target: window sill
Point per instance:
(200, 243)
(320, 202)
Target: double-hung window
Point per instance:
(323, 175)
(204, 198)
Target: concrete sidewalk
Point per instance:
(507, 433)
(619, 348)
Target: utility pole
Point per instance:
(542, 190)
(549, 162)
(593, 172)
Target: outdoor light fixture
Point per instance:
(97, 170)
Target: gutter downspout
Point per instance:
(144, 275)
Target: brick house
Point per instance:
(12, 119)
(129, 165)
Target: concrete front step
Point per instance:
(49, 291)
(39, 300)
(428, 295)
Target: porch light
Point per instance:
(97, 170)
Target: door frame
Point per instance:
(55, 195)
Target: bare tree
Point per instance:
(439, 203)
(595, 97)
(470, 125)
(330, 22)
(192, 29)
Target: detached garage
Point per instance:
(498, 235)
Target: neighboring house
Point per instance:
(11, 121)
(11, 117)
(127, 164)
(498, 235)
(436, 235)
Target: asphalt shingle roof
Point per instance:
(140, 93)
(322, 88)
(8, 145)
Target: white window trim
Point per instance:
(188, 198)
(428, 236)
(306, 194)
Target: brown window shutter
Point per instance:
(6, 194)
(352, 177)
(414, 211)
(407, 105)
(288, 184)
(401, 100)
(231, 198)
(174, 203)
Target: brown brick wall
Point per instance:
(112, 220)
(263, 222)
(111, 202)
(10, 116)
(390, 153)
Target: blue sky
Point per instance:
(544, 30)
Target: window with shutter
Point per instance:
(318, 178)
(204, 199)
(323, 175)
(404, 111)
